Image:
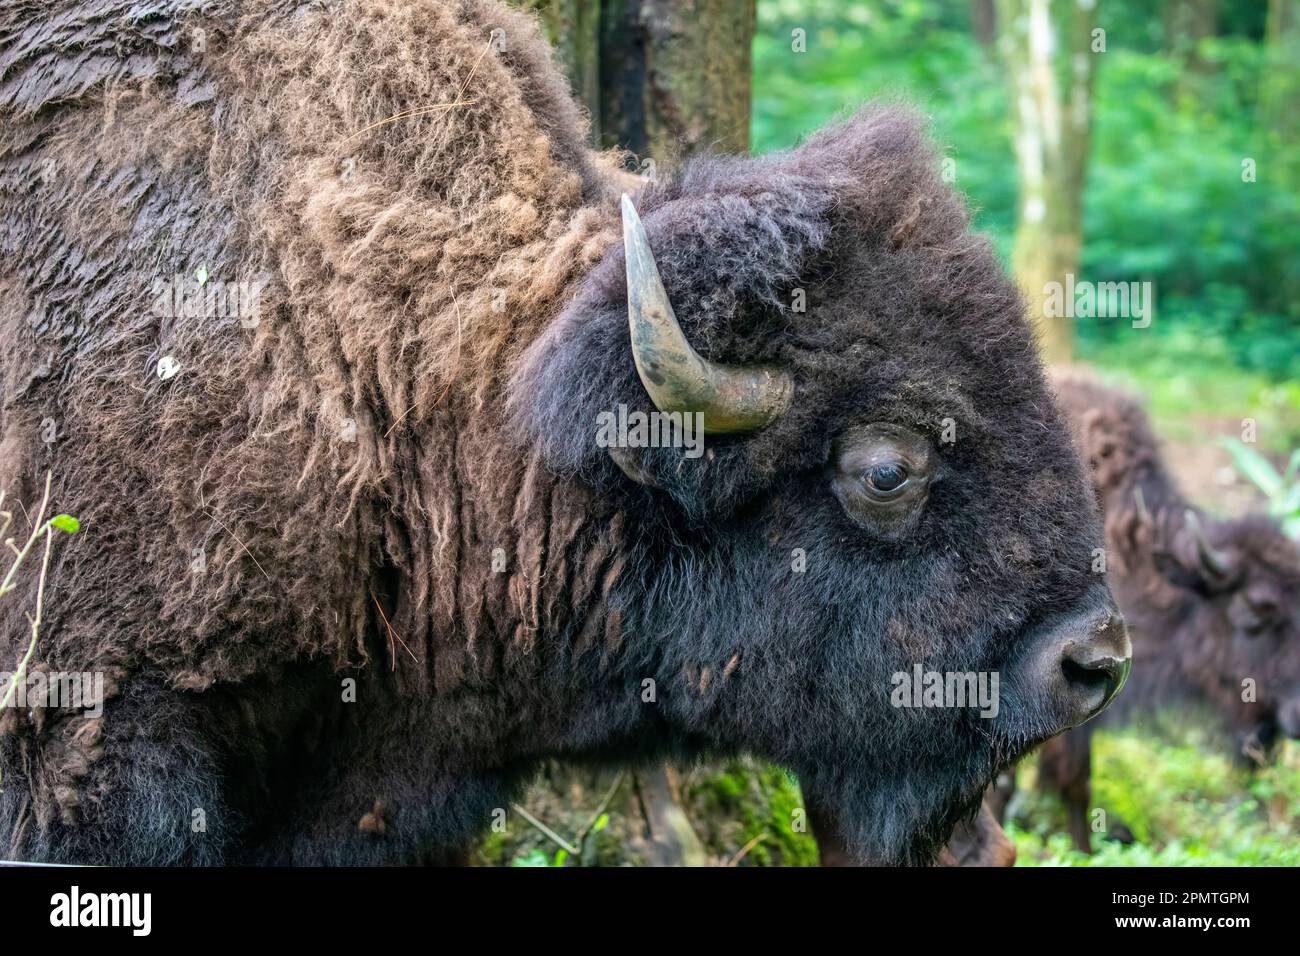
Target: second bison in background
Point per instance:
(1211, 604)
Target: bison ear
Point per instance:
(1191, 561)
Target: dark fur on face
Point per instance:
(393, 478)
(911, 322)
(1198, 631)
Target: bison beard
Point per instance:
(360, 563)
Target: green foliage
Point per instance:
(915, 51)
(734, 806)
(568, 801)
(534, 857)
(1185, 803)
(1167, 199)
(1282, 489)
(744, 800)
(66, 523)
(1187, 380)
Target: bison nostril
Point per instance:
(1096, 670)
(1080, 661)
(1101, 660)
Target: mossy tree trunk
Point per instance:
(664, 79)
(984, 23)
(676, 76)
(1051, 52)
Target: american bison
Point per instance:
(1211, 604)
(314, 312)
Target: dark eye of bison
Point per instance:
(1265, 612)
(886, 480)
(882, 476)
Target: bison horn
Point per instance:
(678, 378)
(1140, 502)
(1214, 560)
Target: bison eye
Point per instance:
(885, 480)
(1265, 612)
(882, 476)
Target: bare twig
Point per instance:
(7, 584)
(744, 850)
(39, 527)
(239, 542)
(407, 114)
(392, 634)
(547, 831)
(35, 622)
(609, 795)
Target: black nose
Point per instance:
(1095, 661)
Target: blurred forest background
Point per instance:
(1147, 141)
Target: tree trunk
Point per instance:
(1049, 54)
(984, 23)
(1187, 23)
(677, 76)
(664, 79)
(573, 27)
(1280, 92)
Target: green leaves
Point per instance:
(1187, 804)
(66, 523)
(1281, 488)
(1255, 467)
(532, 858)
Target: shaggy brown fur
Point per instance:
(386, 490)
(407, 263)
(1197, 635)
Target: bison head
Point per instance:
(885, 492)
(1238, 637)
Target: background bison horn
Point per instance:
(678, 379)
(1213, 560)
